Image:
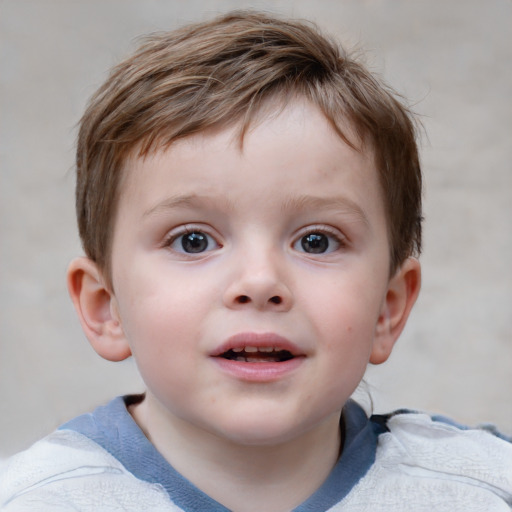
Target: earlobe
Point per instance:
(403, 290)
(97, 310)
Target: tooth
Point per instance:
(240, 358)
(265, 349)
(238, 349)
(251, 349)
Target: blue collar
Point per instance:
(112, 427)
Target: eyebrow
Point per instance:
(339, 204)
(181, 201)
(336, 203)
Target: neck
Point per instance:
(246, 478)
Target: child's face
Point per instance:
(250, 283)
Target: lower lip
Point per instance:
(258, 372)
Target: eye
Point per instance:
(193, 242)
(317, 242)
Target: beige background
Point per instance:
(452, 58)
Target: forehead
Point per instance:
(289, 150)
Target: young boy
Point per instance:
(249, 201)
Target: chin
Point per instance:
(259, 438)
(260, 430)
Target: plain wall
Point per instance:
(452, 59)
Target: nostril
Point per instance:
(246, 299)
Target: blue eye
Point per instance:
(193, 242)
(317, 242)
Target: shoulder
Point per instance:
(438, 442)
(67, 470)
(429, 463)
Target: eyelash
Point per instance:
(331, 233)
(175, 236)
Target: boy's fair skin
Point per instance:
(251, 283)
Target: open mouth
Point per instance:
(257, 355)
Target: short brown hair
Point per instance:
(219, 72)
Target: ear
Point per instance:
(97, 310)
(403, 290)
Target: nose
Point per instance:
(260, 285)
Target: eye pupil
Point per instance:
(194, 242)
(315, 243)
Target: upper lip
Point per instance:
(257, 340)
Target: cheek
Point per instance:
(164, 346)
(346, 324)
(156, 299)
(345, 311)
(161, 316)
